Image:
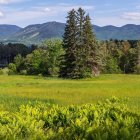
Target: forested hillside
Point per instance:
(39, 32)
(8, 30)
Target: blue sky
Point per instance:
(102, 12)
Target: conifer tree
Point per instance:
(79, 68)
(81, 59)
(69, 44)
(138, 58)
(91, 50)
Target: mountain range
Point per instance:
(7, 30)
(38, 32)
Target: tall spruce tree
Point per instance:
(80, 45)
(80, 59)
(69, 44)
(92, 54)
(138, 58)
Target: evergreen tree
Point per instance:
(138, 60)
(92, 52)
(69, 44)
(80, 49)
(80, 45)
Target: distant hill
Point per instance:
(8, 30)
(38, 32)
(126, 32)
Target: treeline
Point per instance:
(78, 55)
(116, 57)
(45, 60)
(9, 51)
(121, 56)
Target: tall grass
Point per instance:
(17, 90)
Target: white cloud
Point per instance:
(47, 9)
(9, 1)
(86, 7)
(131, 15)
(61, 8)
(108, 11)
(40, 14)
(64, 4)
(1, 14)
(112, 20)
(4, 1)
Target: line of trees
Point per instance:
(121, 56)
(45, 60)
(116, 57)
(79, 54)
(9, 51)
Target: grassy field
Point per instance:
(17, 90)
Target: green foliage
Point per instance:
(138, 69)
(55, 50)
(10, 50)
(33, 60)
(23, 72)
(111, 66)
(107, 120)
(122, 55)
(128, 61)
(44, 60)
(4, 71)
(68, 64)
(18, 61)
(138, 58)
(12, 68)
(1, 72)
(80, 46)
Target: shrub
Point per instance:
(11, 72)
(4, 71)
(1, 72)
(111, 66)
(12, 68)
(23, 72)
(110, 120)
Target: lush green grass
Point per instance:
(16, 90)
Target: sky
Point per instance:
(102, 12)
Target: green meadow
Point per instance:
(18, 90)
